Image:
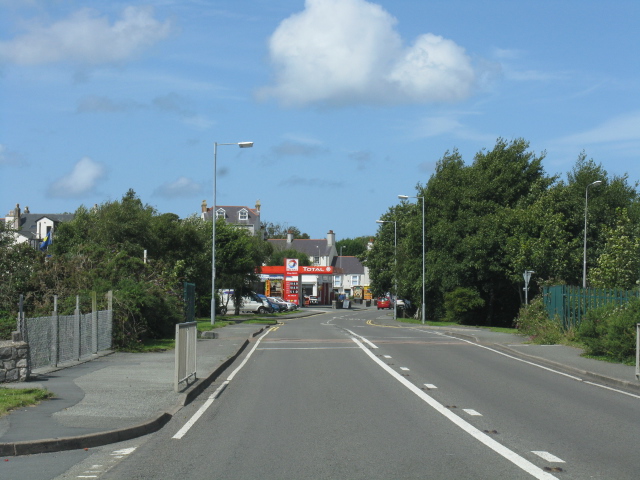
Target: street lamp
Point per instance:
(395, 260)
(586, 201)
(405, 197)
(213, 221)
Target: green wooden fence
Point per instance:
(569, 304)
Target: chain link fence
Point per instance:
(58, 339)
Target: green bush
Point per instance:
(533, 321)
(8, 324)
(610, 331)
(460, 305)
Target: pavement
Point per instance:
(119, 396)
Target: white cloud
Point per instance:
(182, 187)
(618, 129)
(348, 52)
(449, 124)
(9, 157)
(87, 39)
(82, 179)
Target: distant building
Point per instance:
(349, 277)
(33, 227)
(239, 216)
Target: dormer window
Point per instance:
(220, 213)
(243, 215)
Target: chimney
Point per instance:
(204, 206)
(289, 238)
(258, 205)
(331, 239)
(16, 217)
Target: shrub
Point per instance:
(534, 322)
(610, 331)
(8, 324)
(460, 304)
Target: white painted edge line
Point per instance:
(187, 426)
(548, 457)
(540, 366)
(361, 338)
(513, 457)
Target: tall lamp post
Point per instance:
(213, 221)
(405, 197)
(395, 260)
(584, 263)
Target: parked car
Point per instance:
(313, 300)
(383, 302)
(273, 307)
(290, 305)
(283, 306)
(250, 303)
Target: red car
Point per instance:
(383, 302)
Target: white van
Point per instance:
(250, 303)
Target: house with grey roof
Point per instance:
(238, 215)
(350, 275)
(33, 227)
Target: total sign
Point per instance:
(314, 270)
(291, 266)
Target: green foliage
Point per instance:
(103, 248)
(352, 247)
(277, 257)
(619, 263)
(8, 324)
(462, 306)
(533, 321)
(610, 331)
(280, 230)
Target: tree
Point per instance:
(280, 230)
(353, 247)
(277, 257)
(619, 264)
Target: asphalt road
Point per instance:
(331, 396)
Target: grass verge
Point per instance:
(12, 398)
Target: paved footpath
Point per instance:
(113, 397)
(121, 396)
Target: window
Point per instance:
(337, 281)
(243, 214)
(316, 261)
(355, 280)
(220, 213)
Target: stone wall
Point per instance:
(14, 361)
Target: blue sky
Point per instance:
(349, 102)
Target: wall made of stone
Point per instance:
(14, 361)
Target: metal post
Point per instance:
(423, 254)
(213, 237)
(213, 221)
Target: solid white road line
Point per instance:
(187, 426)
(540, 366)
(362, 338)
(510, 455)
